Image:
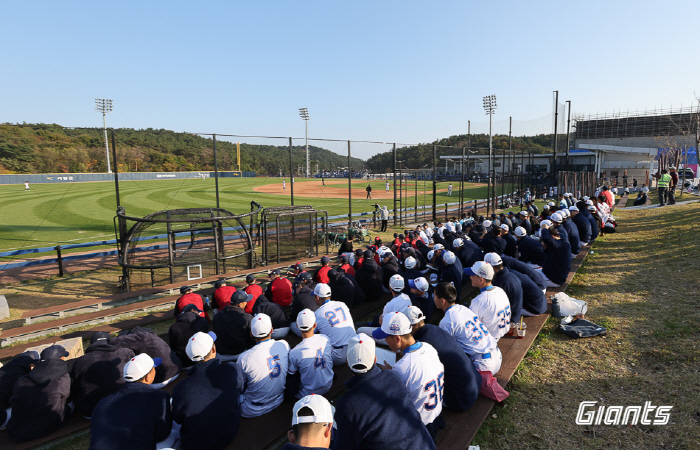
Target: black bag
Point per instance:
(582, 328)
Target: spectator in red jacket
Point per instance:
(253, 289)
(187, 297)
(280, 289)
(346, 265)
(222, 294)
(322, 273)
(608, 196)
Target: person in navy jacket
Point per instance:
(9, 374)
(529, 249)
(534, 300)
(377, 411)
(515, 265)
(557, 263)
(583, 225)
(572, 231)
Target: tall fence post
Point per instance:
(434, 182)
(291, 171)
(59, 260)
(349, 190)
(216, 172)
(393, 173)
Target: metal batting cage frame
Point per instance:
(292, 232)
(176, 245)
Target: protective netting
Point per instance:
(185, 244)
(293, 232)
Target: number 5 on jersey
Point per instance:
(273, 363)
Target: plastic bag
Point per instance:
(563, 305)
(490, 387)
(582, 328)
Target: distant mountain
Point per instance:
(51, 148)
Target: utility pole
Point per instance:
(490, 107)
(104, 106)
(556, 117)
(568, 133)
(304, 113)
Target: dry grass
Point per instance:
(642, 284)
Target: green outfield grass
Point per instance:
(53, 214)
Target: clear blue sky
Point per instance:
(391, 71)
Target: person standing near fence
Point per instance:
(662, 186)
(674, 184)
(384, 216)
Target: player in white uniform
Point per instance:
(491, 305)
(264, 369)
(400, 302)
(333, 319)
(386, 186)
(449, 189)
(420, 368)
(311, 357)
(469, 332)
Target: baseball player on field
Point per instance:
(420, 368)
(311, 358)
(264, 369)
(333, 319)
(491, 305)
(469, 332)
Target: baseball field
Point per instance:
(69, 213)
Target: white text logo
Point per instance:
(588, 414)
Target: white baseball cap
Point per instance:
(433, 279)
(493, 258)
(261, 325)
(414, 314)
(523, 213)
(449, 257)
(566, 212)
(431, 253)
(486, 223)
(556, 217)
(438, 247)
(394, 323)
(589, 202)
(573, 208)
(200, 345)
(480, 269)
(419, 283)
(546, 207)
(410, 262)
(396, 282)
(586, 198)
(322, 290)
(551, 204)
(139, 366)
(361, 353)
(306, 319)
(457, 242)
(520, 231)
(323, 412)
(546, 222)
(504, 227)
(591, 208)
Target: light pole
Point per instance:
(304, 113)
(490, 108)
(104, 106)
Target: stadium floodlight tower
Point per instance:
(104, 106)
(490, 107)
(304, 113)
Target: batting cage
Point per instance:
(184, 244)
(292, 232)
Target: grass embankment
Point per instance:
(642, 284)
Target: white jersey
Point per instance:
(451, 226)
(333, 319)
(469, 332)
(493, 309)
(398, 303)
(440, 230)
(312, 359)
(424, 236)
(265, 369)
(424, 376)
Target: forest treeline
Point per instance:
(43, 148)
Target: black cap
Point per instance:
(402, 237)
(306, 276)
(344, 258)
(184, 289)
(220, 283)
(249, 278)
(333, 274)
(99, 336)
(358, 252)
(275, 272)
(396, 235)
(190, 308)
(368, 254)
(54, 352)
(325, 260)
(240, 297)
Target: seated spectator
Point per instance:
(342, 288)
(303, 299)
(312, 424)
(491, 305)
(345, 265)
(232, 328)
(582, 224)
(377, 411)
(491, 240)
(98, 373)
(572, 232)
(145, 340)
(389, 265)
(358, 293)
(222, 294)
(470, 333)
(280, 324)
(410, 272)
(399, 302)
(186, 325)
(525, 223)
(534, 275)
(450, 273)
(504, 279)
(511, 247)
(254, 290)
(321, 275)
(534, 300)
(40, 399)
(210, 392)
(12, 371)
(136, 417)
(311, 361)
(462, 380)
(641, 199)
(529, 249)
(333, 319)
(279, 290)
(421, 296)
(264, 391)
(187, 297)
(369, 276)
(420, 369)
(295, 271)
(557, 264)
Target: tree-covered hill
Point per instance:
(52, 148)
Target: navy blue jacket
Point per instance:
(562, 232)
(531, 250)
(377, 413)
(514, 290)
(206, 405)
(557, 263)
(264, 306)
(425, 304)
(527, 225)
(145, 340)
(179, 334)
(9, 374)
(473, 254)
(583, 226)
(290, 446)
(449, 273)
(511, 245)
(574, 240)
(136, 417)
(535, 276)
(491, 243)
(534, 300)
(359, 294)
(303, 300)
(462, 380)
(369, 277)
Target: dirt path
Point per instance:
(334, 188)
